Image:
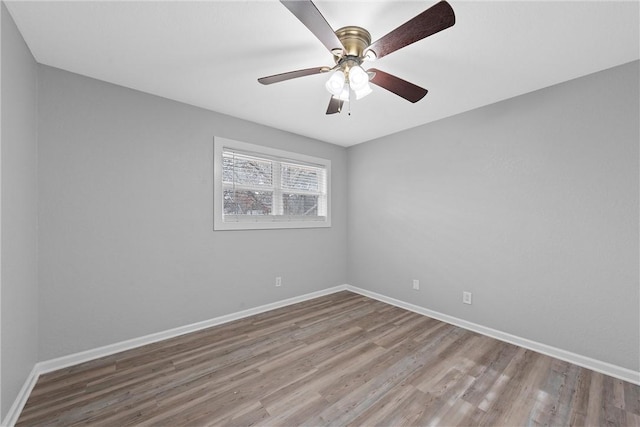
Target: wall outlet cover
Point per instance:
(466, 297)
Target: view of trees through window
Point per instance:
(259, 186)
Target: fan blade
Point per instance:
(310, 16)
(335, 105)
(403, 88)
(437, 18)
(276, 78)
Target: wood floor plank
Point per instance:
(341, 359)
(445, 405)
(632, 398)
(580, 403)
(386, 408)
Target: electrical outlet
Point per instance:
(416, 284)
(466, 297)
(278, 281)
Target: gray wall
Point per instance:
(530, 203)
(19, 286)
(126, 240)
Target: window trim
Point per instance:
(261, 222)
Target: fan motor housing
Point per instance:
(354, 40)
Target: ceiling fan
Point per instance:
(351, 46)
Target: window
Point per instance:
(258, 187)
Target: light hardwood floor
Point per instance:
(342, 359)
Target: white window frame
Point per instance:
(260, 222)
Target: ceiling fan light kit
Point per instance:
(351, 46)
(352, 78)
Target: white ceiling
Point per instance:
(210, 54)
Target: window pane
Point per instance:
(246, 170)
(258, 187)
(247, 202)
(298, 177)
(300, 204)
(227, 169)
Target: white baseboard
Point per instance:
(14, 412)
(85, 356)
(577, 359)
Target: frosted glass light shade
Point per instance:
(335, 84)
(344, 95)
(358, 78)
(366, 90)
